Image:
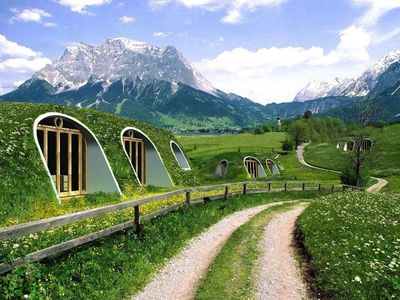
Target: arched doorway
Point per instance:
(272, 167)
(222, 168)
(366, 145)
(254, 167)
(144, 158)
(349, 146)
(73, 157)
(179, 156)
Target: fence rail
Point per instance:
(15, 231)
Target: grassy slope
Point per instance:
(354, 243)
(384, 162)
(231, 276)
(24, 185)
(206, 151)
(119, 265)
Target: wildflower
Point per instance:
(357, 279)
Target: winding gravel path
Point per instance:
(375, 188)
(180, 277)
(279, 276)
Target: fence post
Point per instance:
(187, 200)
(138, 229)
(269, 186)
(244, 188)
(226, 193)
(285, 186)
(333, 187)
(319, 187)
(304, 186)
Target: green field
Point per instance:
(353, 241)
(205, 152)
(384, 161)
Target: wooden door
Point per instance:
(136, 151)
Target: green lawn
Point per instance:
(120, 265)
(205, 152)
(353, 240)
(384, 161)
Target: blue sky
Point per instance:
(263, 49)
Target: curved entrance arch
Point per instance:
(254, 168)
(367, 145)
(73, 157)
(272, 167)
(222, 168)
(179, 156)
(144, 158)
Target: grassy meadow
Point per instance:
(353, 241)
(205, 151)
(384, 161)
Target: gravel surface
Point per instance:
(279, 276)
(180, 277)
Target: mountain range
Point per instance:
(158, 85)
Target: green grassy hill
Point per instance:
(206, 151)
(25, 187)
(384, 161)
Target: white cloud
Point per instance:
(9, 48)
(49, 24)
(79, 6)
(278, 73)
(234, 8)
(23, 65)
(375, 9)
(19, 59)
(120, 4)
(30, 15)
(160, 34)
(127, 19)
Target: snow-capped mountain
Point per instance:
(120, 58)
(367, 81)
(319, 89)
(362, 86)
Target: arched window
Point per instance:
(254, 168)
(222, 168)
(179, 156)
(73, 157)
(145, 159)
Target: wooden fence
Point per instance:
(11, 232)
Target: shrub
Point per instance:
(288, 144)
(349, 176)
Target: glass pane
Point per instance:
(75, 162)
(64, 162)
(40, 135)
(52, 152)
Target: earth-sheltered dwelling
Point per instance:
(280, 166)
(254, 168)
(146, 162)
(349, 146)
(366, 145)
(272, 167)
(222, 168)
(51, 152)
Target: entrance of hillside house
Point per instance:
(65, 151)
(252, 167)
(136, 151)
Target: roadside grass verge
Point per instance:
(353, 242)
(120, 265)
(231, 276)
